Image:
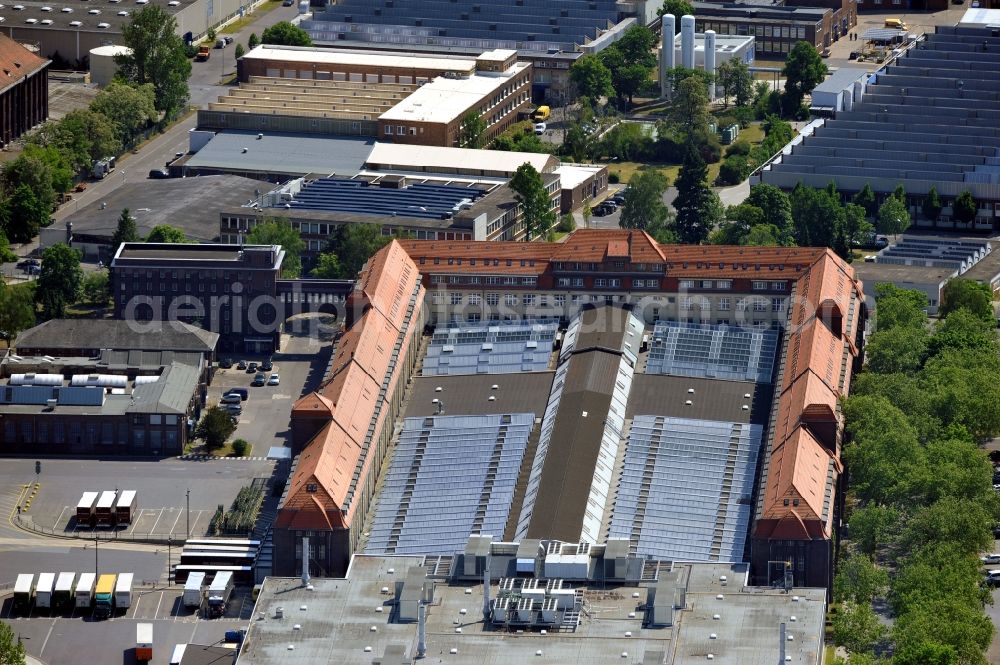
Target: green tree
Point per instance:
(857, 628)
(17, 311)
(897, 349)
(859, 580)
(964, 330)
(285, 34)
(817, 216)
(59, 281)
(354, 244)
(239, 52)
(86, 135)
(693, 200)
(899, 307)
(924, 653)
(873, 526)
(961, 293)
(327, 267)
(472, 131)
(804, 69)
(734, 77)
(530, 194)
(27, 214)
(643, 206)
(240, 447)
(591, 78)
(215, 427)
(688, 111)
(11, 649)
(866, 199)
(776, 207)
(6, 254)
(166, 233)
(157, 56)
(125, 231)
(211, 34)
(764, 235)
(893, 217)
(567, 224)
(130, 109)
(280, 232)
(964, 525)
(630, 61)
(963, 210)
(678, 8)
(33, 170)
(95, 288)
(253, 41)
(932, 205)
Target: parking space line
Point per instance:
(47, 635)
(156, 612)
(59, 519)
(153, 530)
(175, 523)
(195, 523)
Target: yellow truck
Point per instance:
(896, 23)
(104, 596)
(541, 113)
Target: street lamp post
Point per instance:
(188, 513)
(95, 556)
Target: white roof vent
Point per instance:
(75, 24)
(104, 25)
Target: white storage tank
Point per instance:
(102, 63)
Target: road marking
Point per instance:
(196, 518)
(59, 519)
(42, 650)
(156, 612)
(153, 530)
(174, 527)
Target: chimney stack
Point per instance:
(421, 630)
(305, 560)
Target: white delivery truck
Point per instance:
(219, 593)
(144, 642)
(85, 589)
(194, 589)
(43, 592)
(62, 598)
(24, 589)
(123, 591)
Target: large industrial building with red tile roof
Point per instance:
(778, 329)
(24, 90)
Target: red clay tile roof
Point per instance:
(799, 474)
(593, 245)
(16, 62)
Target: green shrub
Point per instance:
(738, 148)
(240, 447)
(613, 177)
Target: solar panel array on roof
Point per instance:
(685, 488)
(451, 476)
(521, 346)
(419, 200)
(532, 24)
(712, 351)
(40, 395)
(935, 252)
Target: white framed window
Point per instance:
(510, 300)
(777, 304)
(724, 304)
(456, 298)
(759, 305)
(493, 299)
(475, 299)
(600, 282)
(686, 284)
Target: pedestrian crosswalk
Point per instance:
(200, 457)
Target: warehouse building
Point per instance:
(775, 27)
(745, 351)
(118, 403)
(24, 90)
(550, 36)
(403, 99)
(928, 119)
(88, 338)
(541, 602)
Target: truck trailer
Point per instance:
(84, 593)
(178, 654)
(104, 513)
(194, 590)
(85, 509)
(104, 596)
(24, 591)
(144, 642)
(125, 508)
(123, 591)
(219, 593)
(62, 597)
(43, 590)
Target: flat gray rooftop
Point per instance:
(469, 395)
(190, 204)
(875, 273)
(712, 399)
(352, 622)
(282, 154)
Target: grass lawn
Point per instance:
(828, 655)
(239, 24)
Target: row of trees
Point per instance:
(921, 501)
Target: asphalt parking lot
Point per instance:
(162, 488)
(266, 412)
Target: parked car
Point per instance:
(233, 409)
(259, 379)
(231, 398)
(26, 263)
(618, 199)
(266, 366)
(242, 393)
(276, 380)
(159, 174)
(33, 270)
(287, 3)
(251, 368)
(226, 363)
(993, 577)
(540, 128)
(990, 559)
(229, 40)
(241, 365)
